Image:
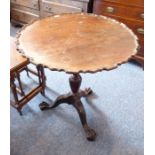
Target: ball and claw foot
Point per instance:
(90, 134)
(74, 99)
(44, 106)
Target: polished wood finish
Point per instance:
(85, 41)
(77, 43)
(107, 8)
(128, 2)
(130, 12)
(17, 65)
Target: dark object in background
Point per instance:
(129, 12)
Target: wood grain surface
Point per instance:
(77, 42)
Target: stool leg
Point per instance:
(20, 84)
(13, 88)
(42, 78)
(27, 71)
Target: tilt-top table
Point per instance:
(77, 43)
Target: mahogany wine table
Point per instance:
(77, 43)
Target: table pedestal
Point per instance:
(74, 99)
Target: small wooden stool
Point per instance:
(17, 65)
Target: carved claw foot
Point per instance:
(86, 92)
(90, 134)
(44, 106)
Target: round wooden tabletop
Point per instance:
(77, 43)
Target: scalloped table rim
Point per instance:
(80, 71)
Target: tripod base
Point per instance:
(74, 99)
